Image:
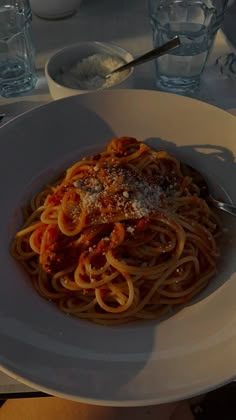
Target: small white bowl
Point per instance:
(69, 56)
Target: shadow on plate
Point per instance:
(58, 353)
(218, 166)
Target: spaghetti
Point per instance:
(124, 235)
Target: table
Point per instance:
(124, 22)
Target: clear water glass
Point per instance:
(196, 22)
(17, 52)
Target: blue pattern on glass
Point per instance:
(227, 65)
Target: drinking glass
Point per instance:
(196, 22)
(17, 53)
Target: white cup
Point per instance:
(54, 9)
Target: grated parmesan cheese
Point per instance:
(88, 73)
(130, 229)
(116, 190)
(126, 194)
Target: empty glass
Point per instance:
(17, 70)
(196, 22)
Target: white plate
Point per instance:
(189, 353)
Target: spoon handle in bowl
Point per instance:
(156, 52)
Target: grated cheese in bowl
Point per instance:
(89, 73)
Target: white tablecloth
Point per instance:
(124, 22)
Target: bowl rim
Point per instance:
(77, 44)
